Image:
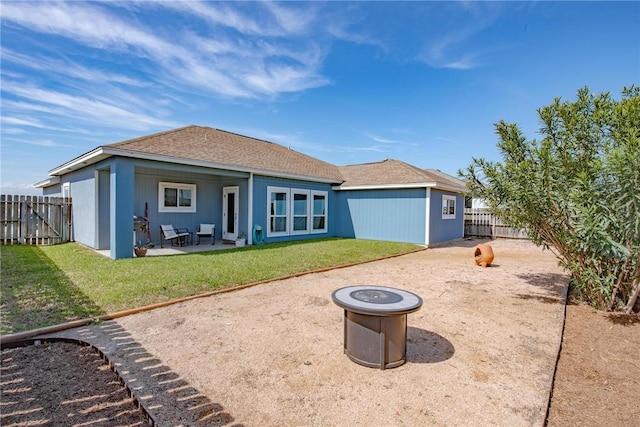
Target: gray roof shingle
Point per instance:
(395, 172)
(229, 149)
(216, 148)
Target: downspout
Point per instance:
(250, 210)
(96, 209)
(462, 210)
(427, 219)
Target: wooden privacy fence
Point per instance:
(35, 220)
(479, 222)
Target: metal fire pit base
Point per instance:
(375, 323)
(375, 341)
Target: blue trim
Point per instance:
(121, 205)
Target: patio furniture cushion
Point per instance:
(179, 236)
(206, 230)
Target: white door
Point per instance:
(230, 213)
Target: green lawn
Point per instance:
(46, 285)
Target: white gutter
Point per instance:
(84, 160)
(436, 185)
(47, 182)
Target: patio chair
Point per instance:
(177, 236)
(206, 230)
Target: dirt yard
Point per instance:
(481, 351)
(598, 377)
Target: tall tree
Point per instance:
(576, 191)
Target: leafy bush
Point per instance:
(576, 191)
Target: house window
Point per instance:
(448, 207)
(319, 211)
(174, 197)
(300, 212)
(66, 190)
(293, 211)
(278, 211)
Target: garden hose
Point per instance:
(258, 236)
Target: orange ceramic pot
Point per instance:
(483, 255)
(140, 252)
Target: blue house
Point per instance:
(196, 174)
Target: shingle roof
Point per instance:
(394, 172)
(445, 178)
(205, 146)
(229, 149)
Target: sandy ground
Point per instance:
(481, 351)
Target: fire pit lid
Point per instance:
(376, 300)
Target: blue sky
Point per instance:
(346, 82)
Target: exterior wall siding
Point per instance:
(208, 200)
(108, 194)
(260, 184)
(83, 192)
(443, 230)
(103, 237)
(104, 220)
(396, 215)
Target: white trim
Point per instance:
(96, 210)
(66, 188)
(436, 185)
(287, 192)
(446, 198)
(289, 209)
(178, 186)
(226, 234)
(428, 217)
(53, 180)
(89, 158)
(326, 211)
(292, 217)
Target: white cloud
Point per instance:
(291, 20)
(454, 48)
(85, 24)
(382, 140)
(20, 122)
(67, 68)
(81, 108)
(23, 189)
(220, 14)
(230, 65)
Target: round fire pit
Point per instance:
(375, 323)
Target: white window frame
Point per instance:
(326, 211)
(287, 192)
(162, 186)
(289, 211)
(445, 207)
(307, 194)
(66, 190)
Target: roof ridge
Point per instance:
(364, 164)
